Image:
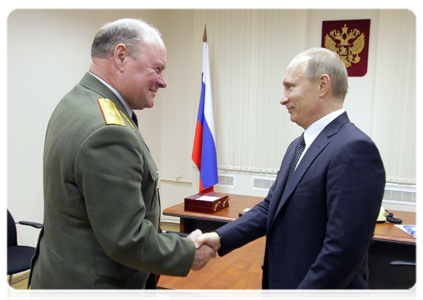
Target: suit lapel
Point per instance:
(316, 148)
(280, 182)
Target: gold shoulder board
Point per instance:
(110, 113)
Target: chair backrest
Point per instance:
(12, 238)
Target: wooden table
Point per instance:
(241, 269)
(388, 232)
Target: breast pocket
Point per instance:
(310, 185)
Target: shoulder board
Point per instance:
(110, 112)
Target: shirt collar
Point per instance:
(311, 133)
(125, 104)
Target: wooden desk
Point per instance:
(241, 269)
(391, 244)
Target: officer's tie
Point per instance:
(135, 119)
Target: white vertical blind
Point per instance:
(394, 119)
(249, 51)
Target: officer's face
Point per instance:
(144, 75)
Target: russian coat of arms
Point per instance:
(347, 44)
(350, 40)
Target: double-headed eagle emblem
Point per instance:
(341, 43)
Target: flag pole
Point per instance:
(210, 189)
(204, 150)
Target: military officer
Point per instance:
(101, 200)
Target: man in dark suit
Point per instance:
(101, 196)
(319, 217)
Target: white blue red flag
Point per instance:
(204, 152)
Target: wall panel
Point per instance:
(394, 118)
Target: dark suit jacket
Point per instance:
(319, 231)
(101, 202)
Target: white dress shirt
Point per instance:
(311, 133)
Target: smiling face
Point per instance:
(143, 76)
(301, 96)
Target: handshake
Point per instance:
(206, 246)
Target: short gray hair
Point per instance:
(323, 61)
(130, 32)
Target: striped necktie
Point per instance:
(298, 151)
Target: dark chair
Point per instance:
(384, 295)
(18, 257)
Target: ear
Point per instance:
(119, 56)
(325, 85)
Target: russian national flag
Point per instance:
(204, 152)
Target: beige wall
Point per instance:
(48, 53)
(179, 105)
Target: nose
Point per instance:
(162, 81)
(284, 100)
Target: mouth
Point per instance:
(153, 91)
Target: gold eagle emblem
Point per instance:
(341, 43)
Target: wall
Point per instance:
(359, 100)
(179, 106)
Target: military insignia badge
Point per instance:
(110, 112)
(350, 39)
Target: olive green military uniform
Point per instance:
(101, 200)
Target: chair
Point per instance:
(18, 257)
(383, 295)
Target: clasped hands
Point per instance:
(206, 246)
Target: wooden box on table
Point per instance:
(207, 203)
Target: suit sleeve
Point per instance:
(109, 172)
(253, 224)
(354, 191)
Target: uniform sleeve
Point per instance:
(109, 173)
